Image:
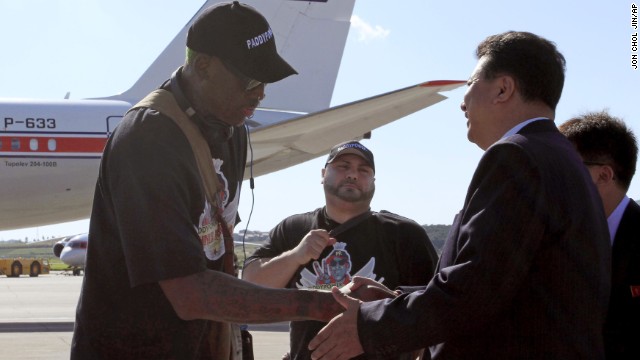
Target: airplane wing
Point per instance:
(306, 137)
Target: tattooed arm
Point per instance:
(217, 296)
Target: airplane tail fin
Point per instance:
(169, 59)
(311, 36)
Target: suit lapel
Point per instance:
(626, 243)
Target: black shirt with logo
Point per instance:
(150, 222)
(386, 247)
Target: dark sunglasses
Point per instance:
(249, 83)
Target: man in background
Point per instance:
(329, 246)
(609, 150)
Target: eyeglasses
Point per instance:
(589, 163)
(249, 83)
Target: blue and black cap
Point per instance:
(351, 147)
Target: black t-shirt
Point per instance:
(150, 222)
(386, 247)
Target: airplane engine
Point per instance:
(57, 247)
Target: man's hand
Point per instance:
(278, 271)
(339, 339)
(366, 289)
(312, 246)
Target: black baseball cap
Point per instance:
(239, 35)
(351, 147)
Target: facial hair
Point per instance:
(350, 194)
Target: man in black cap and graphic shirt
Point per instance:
(153, 281)
(328, 246)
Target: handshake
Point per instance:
(339, 338)
(366, 289)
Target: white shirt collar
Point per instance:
(517, 128)
(616, 216)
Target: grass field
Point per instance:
(44, 249)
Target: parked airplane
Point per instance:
(72, 250)
(50, 149)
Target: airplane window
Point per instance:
(33, 144)
(51, 145)
(15, 144)
(81, 245)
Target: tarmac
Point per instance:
(37, 315)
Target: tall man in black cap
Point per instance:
(151, 284)
(332, 244)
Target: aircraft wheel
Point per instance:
(76, 272)
(35, 269)
(16, 269)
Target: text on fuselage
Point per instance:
(30, 123)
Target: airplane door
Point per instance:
(112, 122)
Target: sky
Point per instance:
(424, 162)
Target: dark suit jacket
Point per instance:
(622, 328)
(525, 271)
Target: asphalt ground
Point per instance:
(37, 314)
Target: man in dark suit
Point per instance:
(525, 271)
(609, 150)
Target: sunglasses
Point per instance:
(249, 83)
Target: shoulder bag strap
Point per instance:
(350, 223)
(164, 102)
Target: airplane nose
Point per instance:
(73, 257)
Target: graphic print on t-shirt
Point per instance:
(209, 229)
(230, 209)
(335, 267)
(334, 270)
(210, 233)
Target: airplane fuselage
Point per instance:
(50, 152)
(49, 157)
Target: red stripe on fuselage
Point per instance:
(52, 144)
